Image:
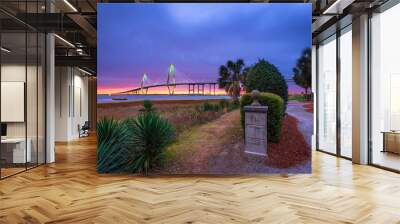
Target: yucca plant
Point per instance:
(148, 106)
(207, 106)
(113, 144)
(151, 135)
(210, 107)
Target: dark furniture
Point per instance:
(84, 130)
(3, 129)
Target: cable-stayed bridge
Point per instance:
(197, 88)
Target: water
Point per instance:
(103, 98)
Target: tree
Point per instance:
(265, 77)
(232, 76)
(302, 71)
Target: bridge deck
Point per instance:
(166, 85)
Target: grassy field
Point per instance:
(299, 98)
(182, 114)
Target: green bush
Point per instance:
(148, 106)
(223, 104)
(274, 115)
(113, 146)
(211, 107)
(233, 105)
(151, 135)
(265, 77)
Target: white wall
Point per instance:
(71, 103)
(62, 82)
(33, 126)
(17, 73)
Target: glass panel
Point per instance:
(385, 89)
(23, 90)
(31, 98)
(327, 95)
(346, 93)
(41, 98)
(31, 88)
(13, 88)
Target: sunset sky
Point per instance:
(134, 39)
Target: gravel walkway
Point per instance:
(305, 119)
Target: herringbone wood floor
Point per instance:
(70, 191)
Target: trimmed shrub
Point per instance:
(233, 105)
(265, 77)
(113, 144)
(274, 115)
(151, 134)
(223, 104)
(148, 106)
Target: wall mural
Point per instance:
(204, 88)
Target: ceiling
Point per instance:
(75, 22)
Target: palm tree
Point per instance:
(302, 71)
(232, 76)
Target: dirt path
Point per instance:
(205, 142)
(305, 125)
(217, 148)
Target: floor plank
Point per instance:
(70, 191)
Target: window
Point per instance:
(327, 95)
(346, 92)
(22, 87)
(385, 89)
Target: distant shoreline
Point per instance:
(156, 102)
(175, 94)
(107, 99)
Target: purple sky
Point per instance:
(197, 38)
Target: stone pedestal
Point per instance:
(256, 130)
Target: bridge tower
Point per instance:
(143, 83)
(171, 79)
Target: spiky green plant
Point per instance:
(207, 106)
(113, 143)
(148, 106)
(211, 107)
(151, 135)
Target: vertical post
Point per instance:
(338, 74)
(314, 89)
(50, 98)
(92, 83)
(214, 89)
(256, 130)
(360, 139)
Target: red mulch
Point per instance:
(309, 107)
(291, 149)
